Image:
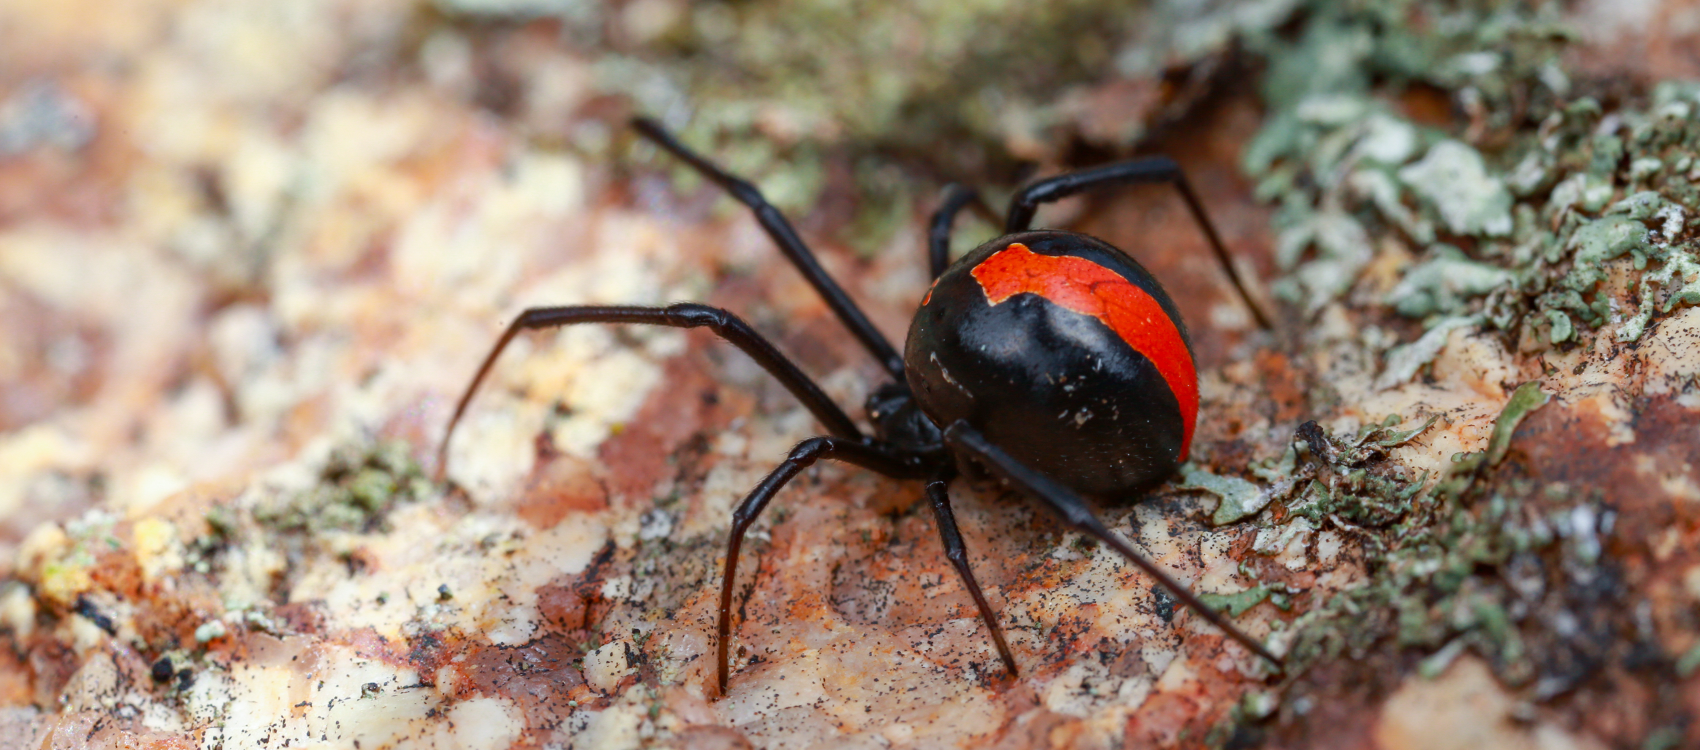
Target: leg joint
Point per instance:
(1082, 519)
(809, 451)
(699, 316)
(745, 193)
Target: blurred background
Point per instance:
(237, 238)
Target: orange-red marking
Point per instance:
(1087, 288)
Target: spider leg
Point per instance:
(1073, 510)
(789, 243)
(683, 315)
(956, 198)
(938, 493)
(1152, 169)
(873, 456)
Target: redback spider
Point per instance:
(1048, 357)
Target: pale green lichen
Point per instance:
(1527, 398)
(1453, 180)
(1436, 663)
(1384, 436)
(1598, 241)
(1689, 662)
(1644, 155)
(1445, 281)
(1426, 590)
(1234, 605)
(1342, 251)
(1404, 361)
(1240, 499)
(1522, 227)
(1680, 276)
(1358, 489)
(209, 631)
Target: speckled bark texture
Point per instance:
(251, 253)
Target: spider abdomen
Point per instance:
(1064, 351)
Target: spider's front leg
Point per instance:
(876, 456)
(684, 315)
(790, 244)
(956, 551)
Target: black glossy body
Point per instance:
(1058, 390)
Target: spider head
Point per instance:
(898, 420)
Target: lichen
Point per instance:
(1527, 398)
(1233, 605)
(1444, 282)
(1453, 181)
(1525, 226)
(1427, 589)
(358, 486)
(1240, 499)
(1405, 360)
(1688, 662)
(786, 92)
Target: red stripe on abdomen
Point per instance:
(1087, 288)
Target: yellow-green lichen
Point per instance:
(358, 485)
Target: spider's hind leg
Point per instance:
(956, 198)
(1074, 511)
(1151, 169)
